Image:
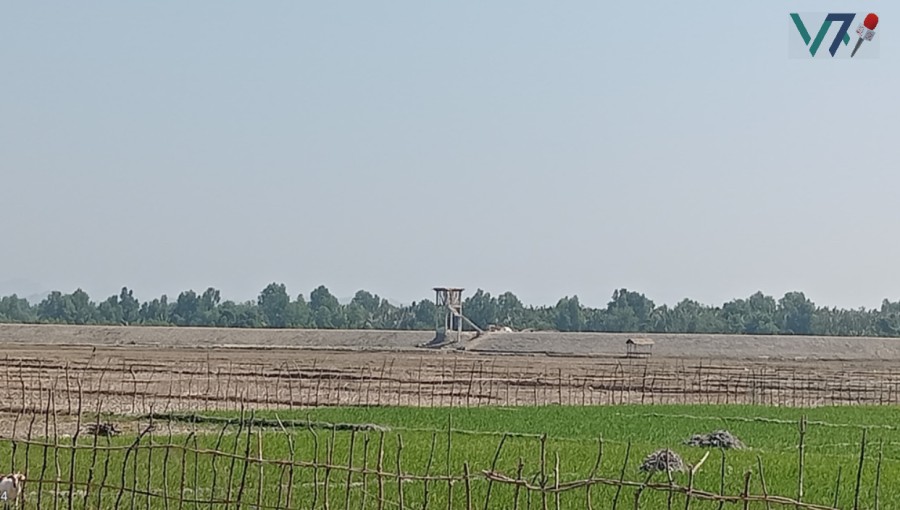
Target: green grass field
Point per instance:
(832, 445)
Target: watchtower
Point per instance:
(448, 312)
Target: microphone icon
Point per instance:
(866, 31)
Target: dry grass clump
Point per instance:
(662, 460)
(717, 439)
(103, 429)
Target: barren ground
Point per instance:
(688, 346)
(136, 370)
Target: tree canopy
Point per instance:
(626, 311)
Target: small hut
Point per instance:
(638, 347)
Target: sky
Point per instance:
(546, 148)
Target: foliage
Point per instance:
(627, 311)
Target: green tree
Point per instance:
(186, 310)
(795, 313)
(628, 311)
(240, 315)
(84, 310)
(300, 313)
(689, 316)
(755, 316)
(763, 310)
(155, 312)
(569, 314)
(74, 308)
(110, 311)
(14, 309)
(208, 307)
(54, 308)
(423, 312)
(275, 306)
(481, 309)
(367, 301)
(510, 311)
(735, 314)
(326, 309)
(362, 310)
(130, 306)
(887, 321)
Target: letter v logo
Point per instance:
(842, 36)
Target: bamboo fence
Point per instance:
(184, 474)
(136, 387)
(173, 470)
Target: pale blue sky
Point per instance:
(547, 148)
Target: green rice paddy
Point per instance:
(832, 445)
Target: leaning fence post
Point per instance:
(556, 481)
(246, 461)
(878, 472)
(519, 482)
(467, 485)
(105, 474)
(131, 448)
(746, 494)
(640, 490)
(315, 462)
(544, 471)
(837, 487)
(762, 481)
(800, 451)
(261, 468)
(290, 483)
(379, 467)
(490, 482)
(46, 435)
(349, 470)
(862, 458)
(559, 386)
(237, 437)
(74, 441)
(58, 478)
(449, 446)
(329, 462)
(690, 488)
(428, 471)
(400, 471)
(149, 458)
(670, 492)
(215, 471)
(590, 485)
(14, 445)
(621, 476)
(419, 383)
(722, 481)
(168, 449)
(365, 472)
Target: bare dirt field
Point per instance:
(57, 369)
(683, 346)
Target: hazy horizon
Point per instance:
(547, 150)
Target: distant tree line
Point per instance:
(627, 311)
